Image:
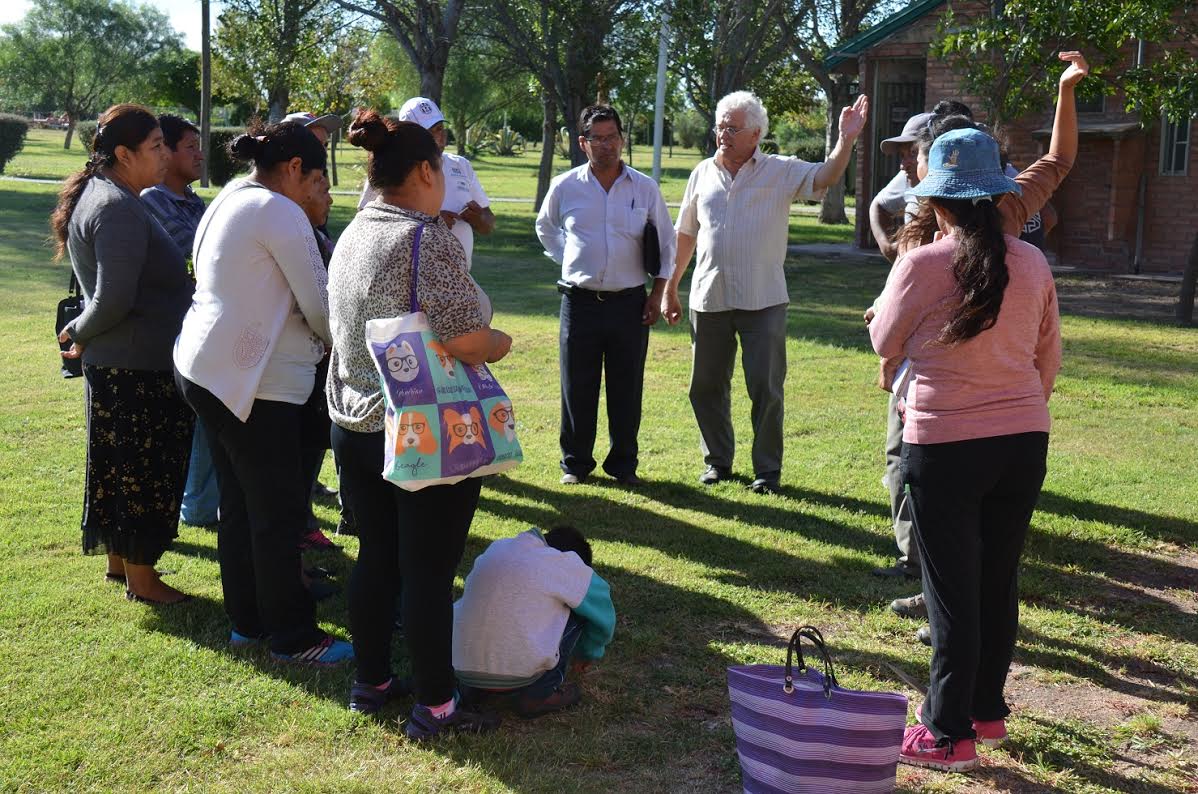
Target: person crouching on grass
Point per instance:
(532, 605)
(976, 314)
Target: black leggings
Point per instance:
(972, 502)
(262, 497)
(410, 541)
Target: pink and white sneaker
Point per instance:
(991, 733)
(921, 748)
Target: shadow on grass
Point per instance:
(203, 621)
(735, 561)
(1050, 753)
(1181, 531)
(1117, 672)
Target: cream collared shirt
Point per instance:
(741, 226)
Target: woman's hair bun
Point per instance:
(245, 147)
(368, 130)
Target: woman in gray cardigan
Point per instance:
(137, 290)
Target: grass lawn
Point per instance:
(101, 694)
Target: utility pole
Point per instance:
(205, 92)
(659, 103)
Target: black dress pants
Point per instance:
(972, 502)
(263, 501)
(602, 336)
(410, 541)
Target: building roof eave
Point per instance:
(849, 50)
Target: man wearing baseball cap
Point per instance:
(466, 208)
(891, 202)
(322, 127)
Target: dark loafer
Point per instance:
(629, 480)
(896, 571)
(924, 635)
(766, 485)
(715, 474)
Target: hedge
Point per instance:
(12, 137)
(86, 130)
(222, 167)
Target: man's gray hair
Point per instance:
(755, 115)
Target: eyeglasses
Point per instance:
(416, 426)
(731, 131)
(460, 428)
(504, 414)
(604, 140)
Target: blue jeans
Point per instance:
(551, 679)
(201, 497)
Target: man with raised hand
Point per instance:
(736, 212)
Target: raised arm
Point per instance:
(852, 122)
(1064, 125)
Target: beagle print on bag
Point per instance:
(444, 420)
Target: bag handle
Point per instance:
(74, 289)
(413, 301)
(812, 635)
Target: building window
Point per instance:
(1175, 147)
(1093, 104)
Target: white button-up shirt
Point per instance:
(596, 235)
(741, 225)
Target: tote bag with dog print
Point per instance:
(445, 420)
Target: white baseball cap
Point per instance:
(422, 111)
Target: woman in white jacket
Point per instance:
(246, 362)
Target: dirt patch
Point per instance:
(1124, 299)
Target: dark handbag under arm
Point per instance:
(69, 308)
(651, 250)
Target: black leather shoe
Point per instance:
(766, 485)
(630, 480)
(924, 635)
(913, 607)
(897, 570)
(715, 474)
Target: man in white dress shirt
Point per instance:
(736, 211)
(466, 208)
(593, 223)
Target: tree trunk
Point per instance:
(280, 98)
(333, 156)
(66, 144)
(1185, 302)
(831, 209)
(205, 92)
(548, 145)
(459, 133)
(431, 81)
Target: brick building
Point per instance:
(1130, 203)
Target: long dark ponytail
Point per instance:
(979, 267)
(125, 125)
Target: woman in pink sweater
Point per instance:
(976, 315)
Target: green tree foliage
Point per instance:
(425, 29)
(80, 55)
(173, 80)
(1009, 60)
(264, 48)
(721, 46)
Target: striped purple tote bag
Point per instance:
(798, 732)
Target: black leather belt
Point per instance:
(599, 296)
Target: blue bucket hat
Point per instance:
(964, 164)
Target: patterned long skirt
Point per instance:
(138, 447)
